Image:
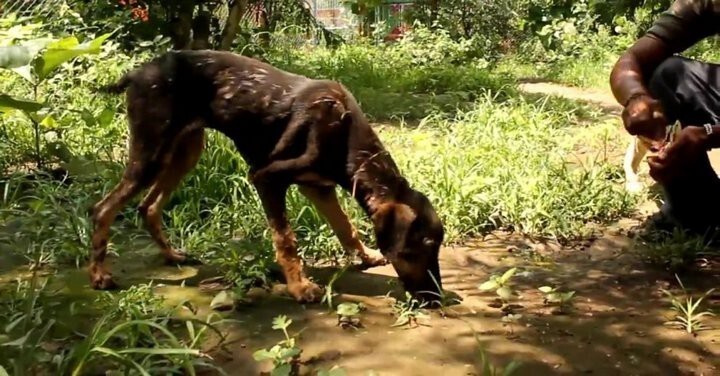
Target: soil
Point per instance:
(616, 325)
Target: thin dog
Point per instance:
(290, 130)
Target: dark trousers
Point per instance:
(690, 92)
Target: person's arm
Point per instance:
(631, 72)
(683, 25)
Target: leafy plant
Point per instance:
(348, 315)
(511, 320)
(689, 315)
(674, 250)
(553, 296)
(330, 290)
(35, 64)
(488, 369)
(501, 284)
(285, 354)
(409, 311)
(135, 303)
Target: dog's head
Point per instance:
(409, 233)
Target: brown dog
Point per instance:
(290, 130)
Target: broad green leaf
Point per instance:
(281, 322)
(281, 370)
(505, 293)
(348, 309)
(567, 296)
(65, 50)
(553, 297)
(8, 104)
(223, 300)
(3, 372)
(289, 353)
(24, 72)
(546, 289)
(507, 275)
(106, 117)
(88, 118)
(48, 122)
(14, 57)
(488, 285)
(262, 355)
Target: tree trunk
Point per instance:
(181, 24)
(237, 9)
(434, 11)
(201, 31)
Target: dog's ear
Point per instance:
(346, 119)
(328, 102)
(392, 223)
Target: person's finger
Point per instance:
(658, 169)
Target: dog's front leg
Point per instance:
(299, 286)
(326, 202)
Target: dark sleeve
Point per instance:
(687, 22)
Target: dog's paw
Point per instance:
(305, 291)
(371, 258)
(634, 187)
(101, 279)
(177, 256)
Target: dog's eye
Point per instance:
(428, 242)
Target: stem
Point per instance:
(36, 128)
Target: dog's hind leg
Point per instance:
(139, 173)
(184, 157)
(299, 286)
(326, 202)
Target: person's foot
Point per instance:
(664, 222)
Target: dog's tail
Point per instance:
(118, 87)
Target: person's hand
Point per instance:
(644, 116)
(687, 148)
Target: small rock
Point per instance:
(279, 289)
(256, 293)
(223, 301)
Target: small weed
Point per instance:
(348, 315)
(285, 354)
(488, 369)
(689, 316)
(511, 320)
(330, 290)
(552, 295)
(675, 250)
(444, 299)
(501, 285)
(408, 312)
(136, 302)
